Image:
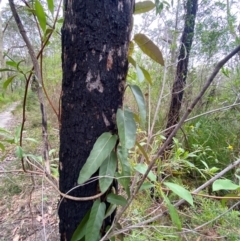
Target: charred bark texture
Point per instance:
(182, 66)
(95, 39)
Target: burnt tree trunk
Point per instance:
(182, 66)
(95, 39)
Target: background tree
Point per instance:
(182, 65)
(95, 39)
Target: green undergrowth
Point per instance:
(7, 98)
(215, 139)
(204, 212)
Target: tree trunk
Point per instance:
(2, 62)
(95, 39)
(182, 66)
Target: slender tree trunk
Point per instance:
(40, 93)
(182, 66)
(95, 39)
(2, 63)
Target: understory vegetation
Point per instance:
(164, 202)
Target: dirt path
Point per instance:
(6, 117)
(28, 206)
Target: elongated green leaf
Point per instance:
(145, 72)
(108, 168)
(31, 139)
(126, 128)
(226, 184)
(2, 147)
(143, 7)
(173, 212)
(140, 74)
(110, 210)
(149, 48)
(80, 232)
(12, 63)
(8, 81)
(95, 221)
(5, 69)
(146, 185)
(19, 152)
(140, 102)
(146, 75)
(2, 130)
(40, 15)
(101, 149)
(116, 199)
(50, 5)
(130, 48)
(124, 177)
(142, 168)
(60, 20)
(180, 191)
(143, 152)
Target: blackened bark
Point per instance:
(182, 66)
(95, 38)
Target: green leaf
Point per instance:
(140, 102)
(2, 147)
(40, 15)
(124, 177)
(143, 7)
(60, 20)
(146, 185)
(173, 212)
(126, 128)
(146, 75)
(145, 72)
(180, 191)
(143, 152)
(8, 81)
(19, 152)
(5, 69)
(31, 139)
(2, 130)
(149, 48)
(12, 63)
(116, 199)
(17, 134)
(140, 74)
(101, 149)
(130, 48)
(110, 210)
(224, 185)
(51, 6)
(142, 168)
(108, 168)
(95, 221)
(80, 231)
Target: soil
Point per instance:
(6, 117)
(28, 205)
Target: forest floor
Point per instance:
(28, 206)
